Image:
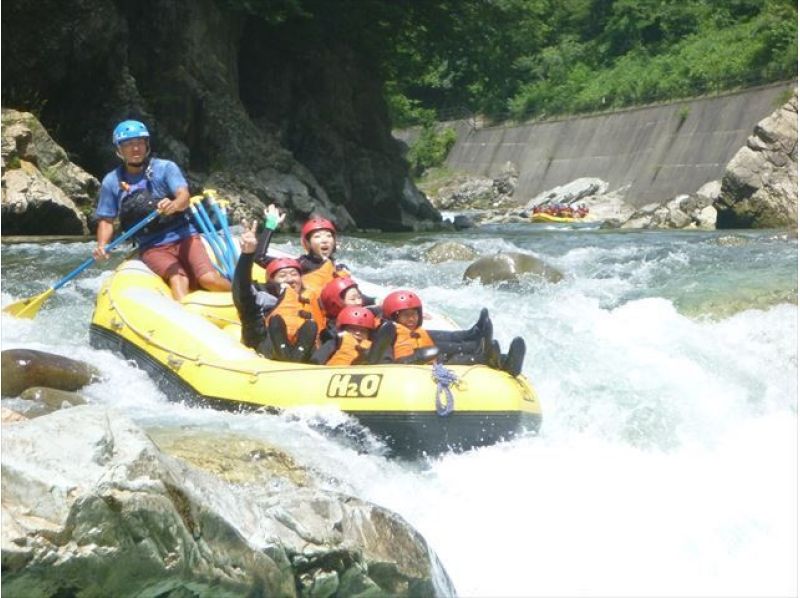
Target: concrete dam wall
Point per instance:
(658, 152)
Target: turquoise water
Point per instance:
(666, 363)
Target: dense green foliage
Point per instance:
(532, 58)
(431, 148)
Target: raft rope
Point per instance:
(444, 379)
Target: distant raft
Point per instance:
(542, 217)
(192, 352)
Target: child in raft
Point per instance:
(354, 345)
(342, 295)
(318, 238)
(280, 319)
(414, 344)
(335, 296)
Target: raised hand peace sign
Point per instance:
(248, 240)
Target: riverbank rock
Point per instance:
(604, 206)
(570, 193)
(685, 211)
(9, 416)
(25, 368)
(470, 192)
(40, 400)
(759, 188)
(608, 206)
(506, 267)
(43, 192)
(449, 251)
(105, 512)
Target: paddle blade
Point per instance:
(28, 308)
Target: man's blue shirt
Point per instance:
(164, 180)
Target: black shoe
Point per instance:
(493, 357)
(483, 319)
(279, 339)
(304, 342)
(488, 331)
(382, 341)
(516, 355)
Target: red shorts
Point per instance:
(187, 257)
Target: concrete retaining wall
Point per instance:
(660, 151)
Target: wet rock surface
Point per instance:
(759, 189)
(508, 266)
(43, 191)
(26, 368)
(108, 512)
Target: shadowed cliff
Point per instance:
(288, 111)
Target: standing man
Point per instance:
(170, 246)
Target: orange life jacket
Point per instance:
(296, 309)
(409, 341)
(349, 350)
(317, 279)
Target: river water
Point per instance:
(666, 363)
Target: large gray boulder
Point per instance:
(43, 191)
(27, 368)
(105, 512)
(759, 188)
(508, 266)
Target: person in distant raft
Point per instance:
(318, 238)
(170, 246)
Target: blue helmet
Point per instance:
(129, 129)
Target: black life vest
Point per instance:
(137, 202)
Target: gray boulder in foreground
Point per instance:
(507, 266)
(91, 506)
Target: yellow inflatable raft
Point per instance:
(192, 351)
(542, 217)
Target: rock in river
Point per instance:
(508, 266)
(24, 368)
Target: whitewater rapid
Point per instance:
(667, 369)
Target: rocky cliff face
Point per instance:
(42, 191)
(261, 112)
(759, 189)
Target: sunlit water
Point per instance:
(666, 363)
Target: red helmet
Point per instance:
(313, 224)
(355, 315)
(332, 295)
(397, 300)
(281, 263)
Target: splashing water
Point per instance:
(666, 363)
